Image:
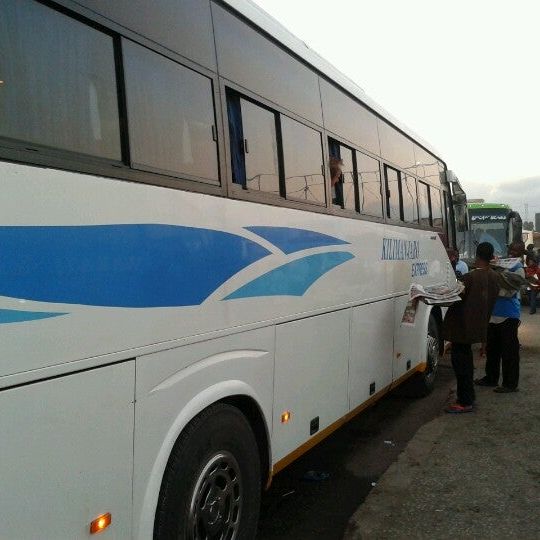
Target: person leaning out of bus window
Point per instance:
(466, 322)
(336, 185)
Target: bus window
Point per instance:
(171, 115)
(436, 208)
(344, 191)
(369, 186)
(393, 194)
(302, 156)
(62, 96)
(423, 205)
(254, 147)
(410, 204)
(348, 179)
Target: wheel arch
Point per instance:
(253, 413)
(437, 313)
(234, 392)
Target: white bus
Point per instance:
(186, 303)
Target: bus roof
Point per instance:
(488, 206)
(277, 31)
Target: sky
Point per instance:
(464, 75)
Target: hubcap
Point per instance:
(217, 499)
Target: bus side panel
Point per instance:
(371, 350)
(174, 386)
(312, 357)
(66, 455)
(410, 337)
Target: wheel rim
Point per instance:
(432, 360)
(216, 504)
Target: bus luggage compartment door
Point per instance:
(67, 454)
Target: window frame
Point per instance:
(389, 218)
(341, 210)
(38, 154)
(144, 168)
(33, 154)
(428, 199)
(236, 190)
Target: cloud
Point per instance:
(516, 193)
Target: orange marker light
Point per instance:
(285, 417)
(100, 523)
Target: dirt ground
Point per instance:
(353, 458)
(474, 475)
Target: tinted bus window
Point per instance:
(302, 153)
(59, 83)
(369, 185)
(436, 208)
(393, 195)
(348, 179)
(171, 115)
(410, 206)
(260, 148)
(427, 166)
(423, 205)
(395, 147)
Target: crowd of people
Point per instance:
(489, 314)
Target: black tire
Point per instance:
(422, 383)
(211, 488)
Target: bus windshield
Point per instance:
(494, 233)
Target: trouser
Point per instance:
(462, 362)
(532, 300)
(503, 345)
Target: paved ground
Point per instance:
(475, 475)
(354, 457)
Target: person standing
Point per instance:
(466, 323)
(530, 255)
(502, 346)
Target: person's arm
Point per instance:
(466, 280)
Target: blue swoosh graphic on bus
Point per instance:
(135, 266)
(15, 316)
(293, 278)
(291, 240)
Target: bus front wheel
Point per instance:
(423, 382)
(212, 484)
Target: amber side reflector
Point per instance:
(285, 417)
(100, 523)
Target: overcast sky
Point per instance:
(464, 75)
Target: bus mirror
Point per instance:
(461, 217)
(458, 194)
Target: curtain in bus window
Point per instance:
(58, 81)
(236, 136)
(369, 185)
(436, 208)
(393, 194)
(302, 153)
(260, 148)
(410, 204)
(423, 205)
(171, 115)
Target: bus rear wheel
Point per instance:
(211, 487)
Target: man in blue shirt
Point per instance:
(502, 344)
